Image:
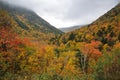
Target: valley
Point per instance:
(33, 49)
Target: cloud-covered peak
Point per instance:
(65, 13)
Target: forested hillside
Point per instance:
(32, 49)
(95, 47)
(105, 29)
(28, 23)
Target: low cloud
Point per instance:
(65, 13)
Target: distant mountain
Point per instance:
(106, 29)
(28, 23)
(72, 28)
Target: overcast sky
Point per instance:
(66, 13)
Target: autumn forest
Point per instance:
(32, 49)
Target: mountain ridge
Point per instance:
(28, 21)
(72, 28)
(109, 20)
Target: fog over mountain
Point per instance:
(61, 13)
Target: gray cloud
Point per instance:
(61, 13)
(89, 10)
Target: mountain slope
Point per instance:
(68, 29)
(96, 46)
(106, 29)
(88, 53)
(28, 23)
